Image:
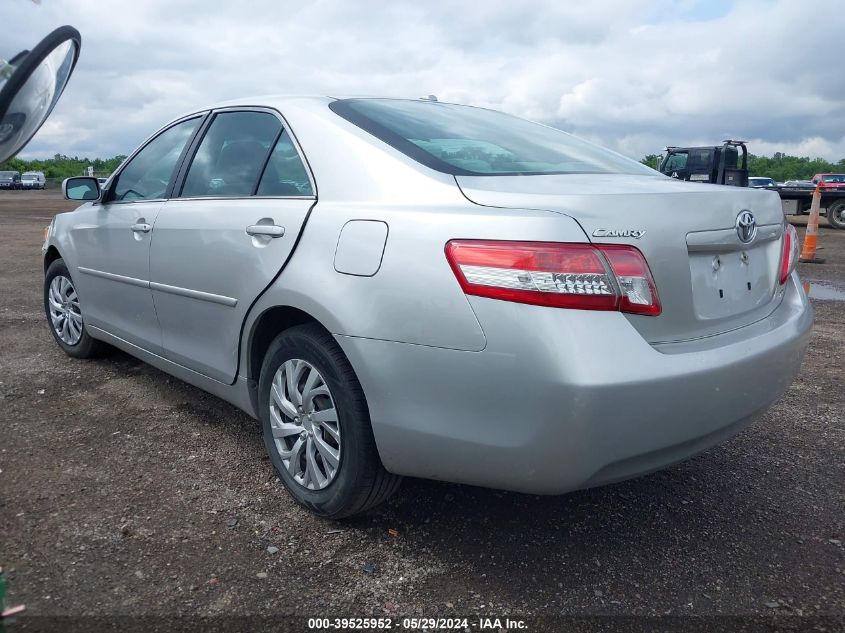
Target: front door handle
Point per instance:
(271, 230)
(141, 227)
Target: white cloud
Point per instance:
(633, 75)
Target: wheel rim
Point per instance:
(304, 423)
(65, 314)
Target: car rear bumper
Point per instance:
(565, 399)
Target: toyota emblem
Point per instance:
(746, 226)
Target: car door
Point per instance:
(112, 243)
(225, 235)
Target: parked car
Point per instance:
(402, 287)
(761, 181)
(10, 180)
(830, 182)
(800, 184)
(33, 180)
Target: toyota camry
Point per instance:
(417, 288)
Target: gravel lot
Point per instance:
(124, 491)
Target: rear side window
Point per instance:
(285, 174)
(231, 155)
(148, 174)
(699, 159)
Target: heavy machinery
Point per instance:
(717, 164)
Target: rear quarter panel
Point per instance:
(414, 297)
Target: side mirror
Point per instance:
(31, 84)
(81, 188)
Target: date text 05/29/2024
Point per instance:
(411, 624)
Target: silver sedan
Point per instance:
(407, 287)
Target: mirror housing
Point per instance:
(31, 84)
(83, 188)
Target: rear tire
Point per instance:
(329, 465)
(836, 215)
(64, 314)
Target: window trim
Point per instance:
(179, 182)
(104, 196)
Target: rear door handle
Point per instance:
(141, 227)
(272, 230)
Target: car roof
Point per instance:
(300, 101)
(267, 101)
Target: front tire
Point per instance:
(316, 426)
(64, 314)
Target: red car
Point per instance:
(830, 181)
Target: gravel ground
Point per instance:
(124, 491)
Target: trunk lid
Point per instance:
(707, 279)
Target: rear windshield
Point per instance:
(464, 140)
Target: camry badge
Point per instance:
(746, 226)
(635, 233)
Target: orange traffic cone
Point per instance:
(808, 251)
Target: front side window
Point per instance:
(464, 140)
(232, 153)
(285, 174)
(675, 162)
(148, 174)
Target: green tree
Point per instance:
(60, 166)
(651, 160)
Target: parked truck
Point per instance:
(33, 180)
(725, 164)
(797, 201)
(10, 180)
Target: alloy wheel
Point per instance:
(305, 425)
(65, 315)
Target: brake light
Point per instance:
(561, 275)
(789, 256)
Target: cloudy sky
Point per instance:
(634, 75)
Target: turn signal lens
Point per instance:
(639, 295)
(789, 257)
(580, 276)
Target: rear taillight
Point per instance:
(582, 276)
(789, 256)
